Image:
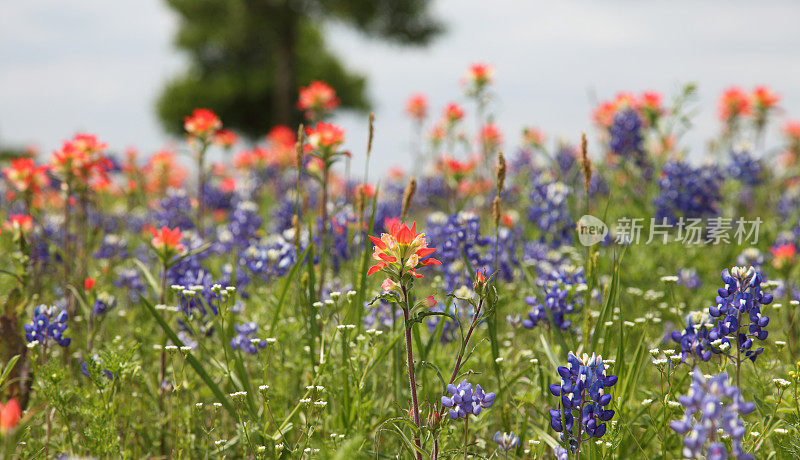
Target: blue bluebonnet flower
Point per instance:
(215, 198)
(340, 233)
(566, 157)
(463, 401)
(712, 406)
(626, 139)
(244, 222)
(173, 211)
(509, 240)
(246, 339)
(506, 442)
(95, 363)
(281, 218)
(560, 453)
(694, 339)
(431, 191)
(549, 210)
(270, 257)
(456, 238)
(690, 278)
(689, 192)
(103, 303)
(789, 203)
(557, 303)
(746, 169)
(112, 246)
(739, 305)
(582, 394)
(48, 324)
(131, 279)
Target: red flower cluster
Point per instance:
(82, 158)
(25, 176)
(324, 138)
(401, 251)
(317, 99)
(202, 123)
(648, 104)
(735, 103)
(163, 171)
(279, 151)
(478, 76)
(490, 137)
(417, 107)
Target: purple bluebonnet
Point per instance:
(269, 257)
(112, 246)
(689, 277)
(557, 304)
(48, 324)
(712, 407)
(582, 393)
(694, 338)
(506, 442)
(739, 309)
(626, 139)
(549, 210)
(244, 223)
(746, 169)
(463, 401)
(246, 339)
(688, 192)
(130, 278)
(174, 210)
(458, 240)
(103, 303)
(95, 364)
(215, 198)
(560, 453)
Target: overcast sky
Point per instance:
(94, 65)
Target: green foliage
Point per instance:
(249, 58)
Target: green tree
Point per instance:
(249, 57)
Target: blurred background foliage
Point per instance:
(249, 57)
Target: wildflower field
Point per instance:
(505, 296)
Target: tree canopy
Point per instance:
(249, 57)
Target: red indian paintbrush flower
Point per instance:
(533, 137)
(325, 137)
(82, 158)
(25, 176)
(732, 104)
(453, 113)
(10, 413)
(225, 138)
(478, 77)
(316, 99)
(167, 243)
(19, 223)
(202, 123)
(490, 137)
(764, 98)
(401, 251)
(417, 107)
